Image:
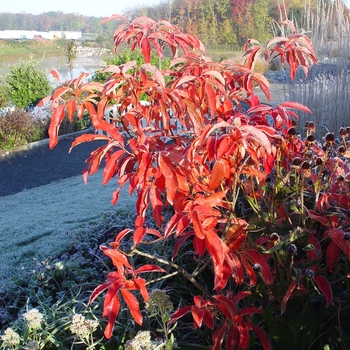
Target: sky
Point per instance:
(105, 8)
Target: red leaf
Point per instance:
(337, 236)
(120, 236)
(221, 170)
(56, 75)
(139, 234)
(211, 96)
(244, 337)
(318, 217)
(117, 257)
(325, 288)
(57, 117)
(265, 269)
(332, 255)
(146, 50)
(71, 105)
(262, 336)
(208, 318)
(165, 168)
(180, 313)
(157, 204)
(115, 196)
(233, 338)
(150, 268)
(289, 291)
(111, 312)
(295, 105)
(240, 295)
(179, 243)
(197, 224)
(218, 336)
(88, 138)
(85, 176)
(226, 306)
(197, 314)
(249, 270)
(133, 305)
(141, 284)
(110, 168)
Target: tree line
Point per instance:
(51, 21)
(225, 24)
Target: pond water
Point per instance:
(81, 64)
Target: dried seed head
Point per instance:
(342, 131)
(346, 236)
(330, 138)
(257, 267)
(292, 248)
(310, 126)
(341, 150)
(308, 154)
(305, 166)
(292, 131)
(274, 237)
(296, 161)
(319, 161)
(343, 296)
(309, 273)
(348, 130)
(340, 178)
(311, 138)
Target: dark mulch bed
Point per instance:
(38, 166)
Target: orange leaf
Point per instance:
(221, 171)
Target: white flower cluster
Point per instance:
(33, 318)
(10, 338)
(33, 345)
(83, 327)
(142, 341)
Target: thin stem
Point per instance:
(179, 269)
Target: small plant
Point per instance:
(26, 84)
(84, 328)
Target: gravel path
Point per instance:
(24, 169)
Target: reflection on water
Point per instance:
(81, 64)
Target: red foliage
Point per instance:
(219, 153)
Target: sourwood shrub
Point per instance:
(255, 218)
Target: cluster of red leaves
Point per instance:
(200, 171)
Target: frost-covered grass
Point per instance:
(38, 223)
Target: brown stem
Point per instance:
(179, 269)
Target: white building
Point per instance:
(34, 34)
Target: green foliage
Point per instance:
(126, 55)
(26, 84)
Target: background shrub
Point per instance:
(26, 84)
(19, 127)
